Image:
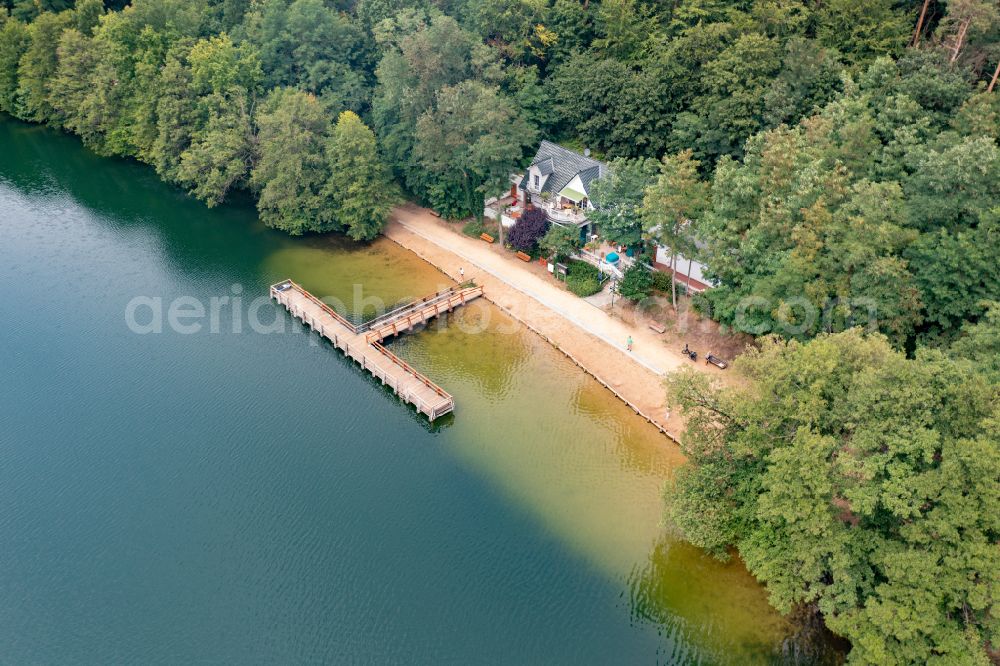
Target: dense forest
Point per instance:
(833, 163)
(846, 152)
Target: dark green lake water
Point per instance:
(236, 497)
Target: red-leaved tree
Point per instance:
(526, 232)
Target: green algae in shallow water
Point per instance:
(245, 498)
(363, 278)
(592, 472)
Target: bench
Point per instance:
(716, 361)
(487, 238)
(659, 328)
(524, 257)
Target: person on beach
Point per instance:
(628, 343)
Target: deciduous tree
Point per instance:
(359, 185)
(980, 342)
(37, 67)
(610, 105)
(957, 271)
(624, 28)
(529, 229)
(221, 153)
(862, 31)
(736, 87)
(618, 199)
(72, 84)
(560, 242)
(636, 283)
(14, 41)
(510, 26)
(469, 143)
(672, 207)
(87, 15)
(427, 58)
(311, 45)
(177, 114)
(291, 171)
(857, 483)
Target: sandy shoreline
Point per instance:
(553, 313)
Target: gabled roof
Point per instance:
(587, 176)
(546, 166)
(562, 165)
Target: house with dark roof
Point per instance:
(559, 182)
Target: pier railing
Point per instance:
(404, 309)
(410, 369)
(396, 313)
(343, 321)
(366, 347)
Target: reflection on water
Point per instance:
(672, 588)
(525, 527)
(593, 472)
(699, 601)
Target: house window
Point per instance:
(536, 181)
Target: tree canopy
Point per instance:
(291, 170)
(858, 483)
(560, 242)
(672, 206)
(359, 183)
(530, 228)
(466, 144)
(618, 199)
(458, 93)
(875, 210)
(832, 164)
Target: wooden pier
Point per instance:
(363, 342)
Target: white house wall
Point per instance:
(697, 269)
(532, 173)
(575, 184)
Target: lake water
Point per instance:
(243, 497)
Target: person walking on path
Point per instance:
(628, 343)
(461, 273)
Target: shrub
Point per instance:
(528, 230)
(474, 228)
(582, 279)
(636, 282)
(702, 304)
(583, 287)
(661, 281)
(582, 269)
(560, 241)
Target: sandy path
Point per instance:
(589, 336)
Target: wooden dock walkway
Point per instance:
(405, 318)
(363, 342)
